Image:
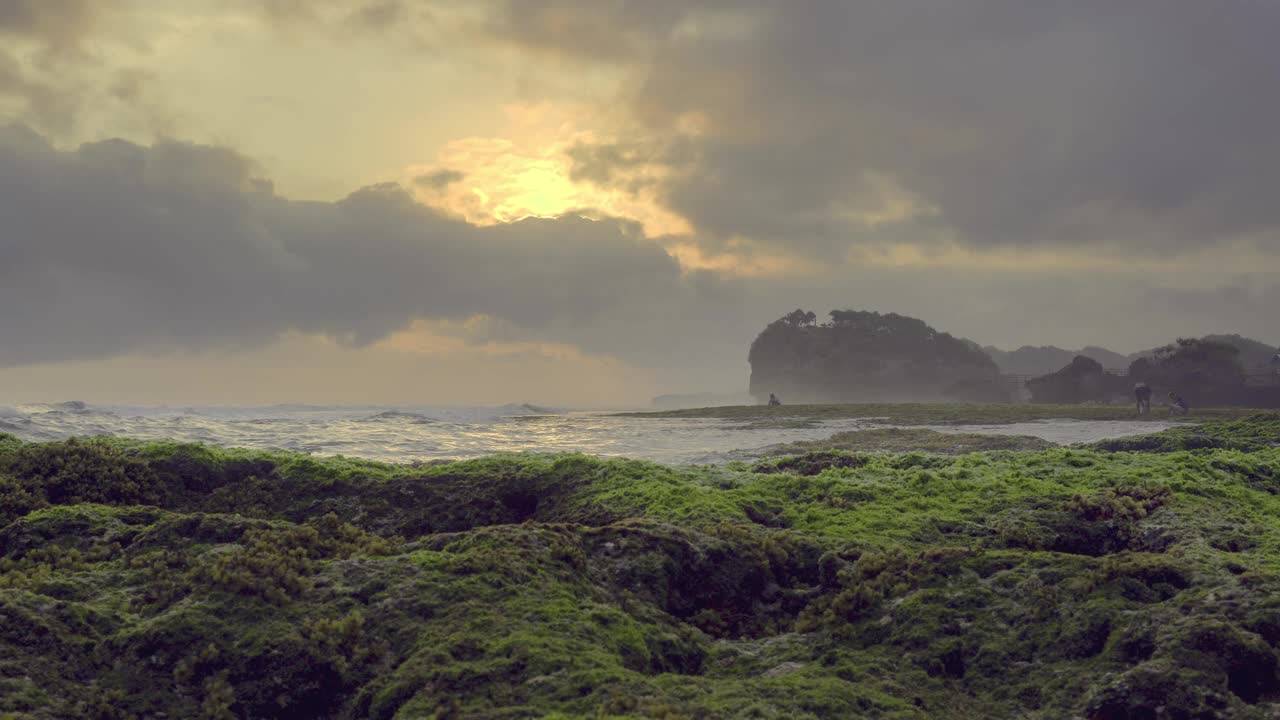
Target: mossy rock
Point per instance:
(1065, 582)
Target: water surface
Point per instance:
(429, 433)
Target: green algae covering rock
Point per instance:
(149, 580)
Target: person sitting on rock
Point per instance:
(1142, 392)
(1177, 404)
(773, 400)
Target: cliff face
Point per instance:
(868, 357)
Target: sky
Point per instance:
(591, 202)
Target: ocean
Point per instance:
(414, 434)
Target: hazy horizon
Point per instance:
(383, 202)
(169, 384)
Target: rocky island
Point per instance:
(861, 356)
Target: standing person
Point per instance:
(1142, 392)
(773, 400)
(1177, 404)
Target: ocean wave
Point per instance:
(466, 415)
(527, 409)
(70, 406)
(401, 415)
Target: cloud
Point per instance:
(41, 38)
(1152, 125)
(439, 179)
(381, 14)
(28, 95)
(414, 25)
(608, 32)
(68, 67)
(58, 25)
(115, 246)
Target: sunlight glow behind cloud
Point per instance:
(526, 172)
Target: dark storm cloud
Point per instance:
(1154, 123)
(116, 246)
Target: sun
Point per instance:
(527, 172)
(539, 189)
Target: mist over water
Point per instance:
(433, 433)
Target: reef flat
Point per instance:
(149, 580)
(912, 440)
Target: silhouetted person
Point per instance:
(1177, 404)
(773, 399)
(1142, 392)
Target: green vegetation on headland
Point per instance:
(864, 357)
(869, 357)
(939, 413)
(1043, 360)
(1207, 372)
(183, 581)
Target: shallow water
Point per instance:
(409, 434)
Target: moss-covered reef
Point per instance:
(936, 413)
(1256, 432)
(911, 440)
(182, 581)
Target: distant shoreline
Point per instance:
(940, 413)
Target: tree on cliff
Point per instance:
(1253, 354)
(798, 318)
(1206, 371)
(866, 356)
